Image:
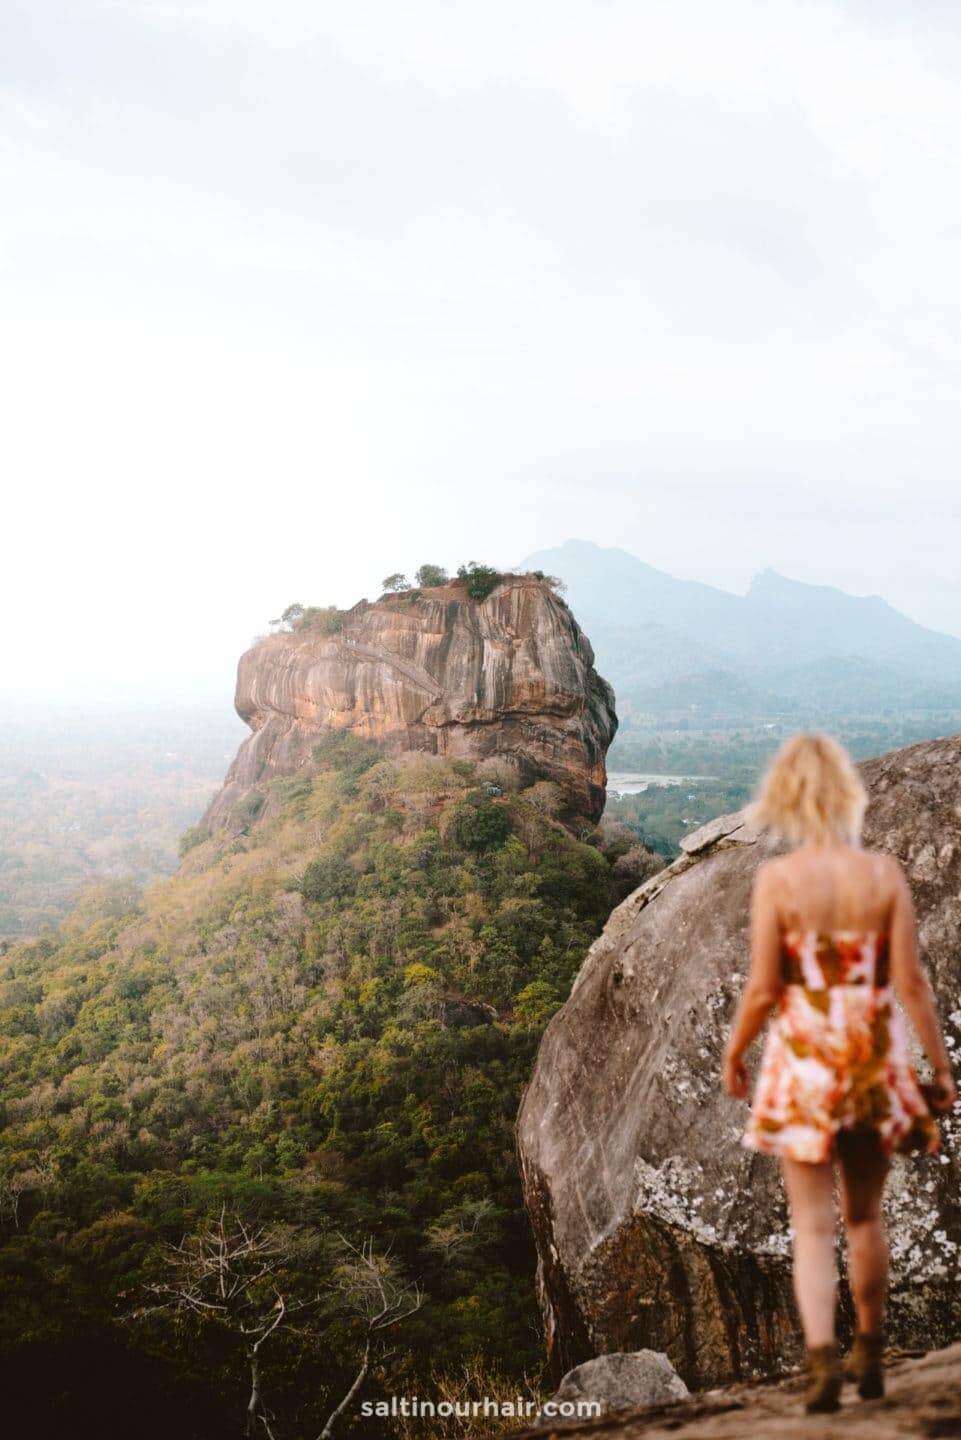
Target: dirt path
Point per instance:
(922, 1400)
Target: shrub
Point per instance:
(546, 797)
(350, 755)
(245, 812)
(191, 838)
(478, 824)
(430, 575)
(290, 616)
(419, 974)
(321, 620)
(329, 878)
(632, 869)
(497, 771)
(379, 785)
(396, 582)
(326, 619)
(479, 580)
(535, 1004)
(553, 581)
(576, 875)
(293, 791)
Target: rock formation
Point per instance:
(654, 1227)
(511, 676)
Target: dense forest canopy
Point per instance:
(321, 1023)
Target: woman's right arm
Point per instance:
(914, 988)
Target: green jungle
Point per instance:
(257, 1123)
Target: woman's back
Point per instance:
(830, 889)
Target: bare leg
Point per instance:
(810, 1190)
(864, 1168)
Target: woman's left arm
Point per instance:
(764, 983)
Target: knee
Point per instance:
(859, 1213)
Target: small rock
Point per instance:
(620, 1381)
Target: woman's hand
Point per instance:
(735, 1075)
(943, 1093)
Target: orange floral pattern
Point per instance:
(836, 1054)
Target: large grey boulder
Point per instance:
(654, 1227)
(614, 1382)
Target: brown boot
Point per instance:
(865, 1365)
(825, 1378)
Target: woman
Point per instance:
(832, 928)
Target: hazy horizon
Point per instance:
(215, 698)
(295, 296)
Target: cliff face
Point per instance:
(655, 1228)
(511, 676)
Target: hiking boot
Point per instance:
(825, 1378)
(865, 1365)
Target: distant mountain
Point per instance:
(827, 623)
(782, 641)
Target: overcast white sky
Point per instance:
(301, 292)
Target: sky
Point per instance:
(298, 294)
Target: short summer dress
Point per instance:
(836, 1053)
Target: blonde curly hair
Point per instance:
(812, 791)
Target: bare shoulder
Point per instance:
(889, 871)
(887, 866)
(770, 873)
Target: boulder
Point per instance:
(654, 1227)
(612, 1383)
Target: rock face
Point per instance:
(654, 1227)
(511, 676)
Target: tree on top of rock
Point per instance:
(396, 582)
(428, 576)
(479, 580)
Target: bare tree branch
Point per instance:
(228, 1273)
(374, 1289)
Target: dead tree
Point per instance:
(231, 1275)
(14, 1184)
(371, 1287)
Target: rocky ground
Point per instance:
(922, 1400)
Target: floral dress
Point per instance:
(836, 1053)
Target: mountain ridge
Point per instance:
(778, 626)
